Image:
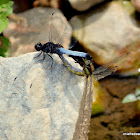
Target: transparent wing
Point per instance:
(104, 73)
(53, 34)
(65, 35)
(86, 108)
(72, 43)
(6, 81)
(33, 61)
(67, 32)
(90, 96)
(60, 30)
(57, 28)
(105, 67)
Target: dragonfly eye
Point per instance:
(38, 46)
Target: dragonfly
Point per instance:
(52, 48)
(54, 45)
(90, 73)
(57, 48)
(88, 70)
(98, 73)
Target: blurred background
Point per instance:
(105, 29)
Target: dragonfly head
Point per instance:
(38, 46)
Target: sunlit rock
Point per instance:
(82, 5)
(109, 32)
(43, 102)
(40, 26)
(136, 3)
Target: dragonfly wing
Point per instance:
(90, 97)
(67, 32)
(72, 43)
(86, 108)
(104, 67)
(105, 73)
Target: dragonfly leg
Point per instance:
(27, 65)
(37, 55)
(52, 61)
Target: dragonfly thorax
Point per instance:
(48, 47)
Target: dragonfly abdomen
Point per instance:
(71, 68)
(74, 53)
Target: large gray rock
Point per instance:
(52, 109)
(109, 32)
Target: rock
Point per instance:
(51, 109)
(47, 3)
(136, 3)
(40, 26)
(109, 32)
(128, 6)
(83, 5)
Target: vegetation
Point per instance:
(5, 10)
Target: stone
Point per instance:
(47, 3)
(40, 26)
(82, 5)
(52, 108)
(136, 3)
(109, 32)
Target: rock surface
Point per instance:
(40, 26)
(82, 5)
(51, 109)
(136, 3)
(47, 3)
(109, 32)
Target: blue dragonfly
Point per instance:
(55, 46)
(88, 69)
(55, 43)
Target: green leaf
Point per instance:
(4, 1)
(3, 23)
(6, 9)
(129, 98)
(4, 46)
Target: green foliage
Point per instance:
(5, 10)
(4, 46)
